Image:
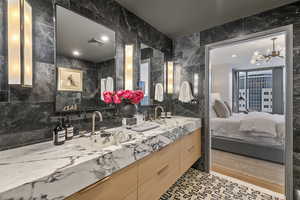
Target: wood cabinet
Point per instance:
(158, 172)
(120, 186)
(150, 177)
(190, 150)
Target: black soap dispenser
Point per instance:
(59, 134)
(69, 129)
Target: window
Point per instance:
(255, 90)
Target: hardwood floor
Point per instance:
(261, 173)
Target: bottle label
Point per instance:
(70, 132)
(61, 136)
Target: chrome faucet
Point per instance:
(94, 117)
(156, 109)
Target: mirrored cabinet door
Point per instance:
(151, 75)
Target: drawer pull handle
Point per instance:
(162, 169)
(191, 148)
(95, 185)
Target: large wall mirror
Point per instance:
(85, 61)
(152, 75)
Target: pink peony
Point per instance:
(137, 97)
(120, 93)
(134, 97)
(117, 99)
(108, 97)
(127, 94)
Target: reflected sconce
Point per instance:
(129, 67)
(19, 25)
(196, 84)
(170, 77)
(165, 77)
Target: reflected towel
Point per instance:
(103, 87)
(185, 93)
(159, 92)
(109, 84)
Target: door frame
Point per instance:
(288, 31)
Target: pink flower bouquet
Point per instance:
(126, 96)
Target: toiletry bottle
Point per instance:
(59, 134)
(69, 129)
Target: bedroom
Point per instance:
(247, 110)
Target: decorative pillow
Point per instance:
(221, 109)
(228, 107)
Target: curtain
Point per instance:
(235, 91)
(277, 91)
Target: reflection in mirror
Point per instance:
(152, 73)
(85, 58)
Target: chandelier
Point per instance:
(257, 57)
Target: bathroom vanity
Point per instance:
(133, 166)
(150, 177)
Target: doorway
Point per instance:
(249, 80)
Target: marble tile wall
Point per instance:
(35, 107)
(189, 54)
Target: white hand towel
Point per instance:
(103, 87)
(109, 84)
(185, 93)
(159, 92)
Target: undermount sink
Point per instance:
(146, 126)
(108, 138)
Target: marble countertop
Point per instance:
(45, 171)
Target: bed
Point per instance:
(257, 134)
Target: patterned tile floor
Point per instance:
(196, 185)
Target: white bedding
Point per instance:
(259, 127)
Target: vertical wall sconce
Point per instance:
(14, 41)
(196, 84)
(170, 77)
(128, 67)
(165, 77)
(27, 67)
(19, 22)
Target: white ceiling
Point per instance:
(244, 51)
(180, 17)
(74, 32)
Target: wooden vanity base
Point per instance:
(150, 177)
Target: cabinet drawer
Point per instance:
(120, 186)
(190, 150)
(161, 180)
(149, 166)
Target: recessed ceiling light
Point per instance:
(76, 53)
(104, 38)
(253, 61)
(256, 53)
(234, 56)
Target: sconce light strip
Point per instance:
(128, 67)
(27, 67)
(165, 77)
(14, 38)
(170, 77)
(19, 22)
(196, 84)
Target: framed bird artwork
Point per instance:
(69, 79)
